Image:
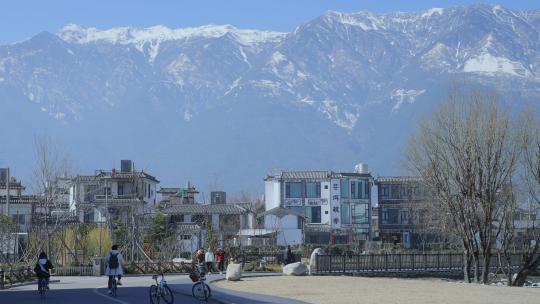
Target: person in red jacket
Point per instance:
(220, 258)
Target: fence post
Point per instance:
(450, 262)
(425, 262)
(344, 268)
(412, 262)
(1, 278)
(438, 261)
(371, 264)
(399, 261)
(386, 261)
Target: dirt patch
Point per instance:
(344, 289)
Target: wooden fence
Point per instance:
(73, 271)
(399, 263)
(158, 267)
(8, 277)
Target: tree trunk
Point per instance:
(531, 263)
(476, 261)
(486, 259)
(467, 267)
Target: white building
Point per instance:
(112, 194)
(336, 205)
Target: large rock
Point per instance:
(234, 272)
(313, 259)
(297, 269)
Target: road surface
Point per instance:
(93, 290)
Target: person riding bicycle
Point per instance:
(200, 256)
(115, 263)
(43, 265)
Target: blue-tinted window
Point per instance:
(313, 189)
(345, 213)
(293, 190)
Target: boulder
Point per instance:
(313, 259)
(297, 269)
(234, 272)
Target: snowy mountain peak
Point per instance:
(74, 33)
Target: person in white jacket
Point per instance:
(115, 266)
(210, 259)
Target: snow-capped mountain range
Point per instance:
(223, 106)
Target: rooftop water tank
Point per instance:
(361, 168)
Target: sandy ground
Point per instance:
(341, 289)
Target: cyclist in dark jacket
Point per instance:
(43, 267)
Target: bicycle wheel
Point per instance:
(167, 295)
(41, 288)
(114, 288)
(201, 291)
(154, 295)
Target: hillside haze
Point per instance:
(223, 106)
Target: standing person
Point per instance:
(43, 265)
(220, 257)
(287, 255)
(209, 258)
(115, 265)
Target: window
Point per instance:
(300, 223)
(293, 190)
(345, 213)
(18, 219)
(90, 191)
(384, 191)
(360, 214)
(313, 189)
(394, 191)
(336, 187)
(106, 191)
(177, 218)
(393, 216)
(345, 188)
(149, 191)
(314, 214)
(89, 217)
(384, 216)
(404, 217)
(326, 187)
(185, 237)
(120, 189)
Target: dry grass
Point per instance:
(341, 289)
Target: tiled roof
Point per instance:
(398, 179)
(281, 212)
(314, 175)
(204, 209)
(117, 175)
(306, 174)
(24, 199)
(168, 190)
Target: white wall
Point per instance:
(272, 194)
(286, 227)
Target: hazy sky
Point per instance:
(21, 19)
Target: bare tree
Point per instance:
(52, 163)
(530, 143)
(466, 154)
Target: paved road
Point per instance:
(92, 290)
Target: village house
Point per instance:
(324, 207)
(113, 195)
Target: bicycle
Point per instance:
(200, 290)
(160, 291)
(42, 287)
(114, 286)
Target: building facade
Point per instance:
(401, 201)
(112, 195)
(336, 206)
